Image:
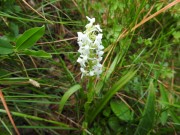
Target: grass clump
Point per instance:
(42, 89)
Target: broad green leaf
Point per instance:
(29, 38)
(121, 110)
(39, 53)
(111, 92)
(147, 120)
(5, 47)
(66, 96)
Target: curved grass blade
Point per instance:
(147, 120)
(66, 96)
(115, 88)
(29, 38)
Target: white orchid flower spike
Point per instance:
(90, 49)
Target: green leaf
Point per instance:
(5, 47)
(176, 34)
(29, 38)
(66, 96)
(107, 111)
(121, 110)
(39, 53)
(114, 124)
(147, 120)
(111, 92)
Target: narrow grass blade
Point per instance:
(66, 96)
(164, 97)
(115, 88)
(8, 112)
(39, 53)
(35, 118)
(108, 74)
(6, 127)
(147, 120)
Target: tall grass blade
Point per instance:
(147, 120)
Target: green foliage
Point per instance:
(39, 53)
(163, 98)
(121, 101)
(121, 110)
(111, 92)
(6, 47)
(65, 97)
(29, 38)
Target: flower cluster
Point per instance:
(90, 49)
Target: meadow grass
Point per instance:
(137, 93)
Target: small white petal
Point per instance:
(99, 65)
(91, 20)
(100, 47)
(80, 36)
(100, 53)
(85, 57)
(83, 70)
(100, 58)
(80, 43)
(99, 37)
(81, 61)
(98, 28)
(91, 73)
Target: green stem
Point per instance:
(90, 96)
(22, 63)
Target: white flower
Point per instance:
(90, 49)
